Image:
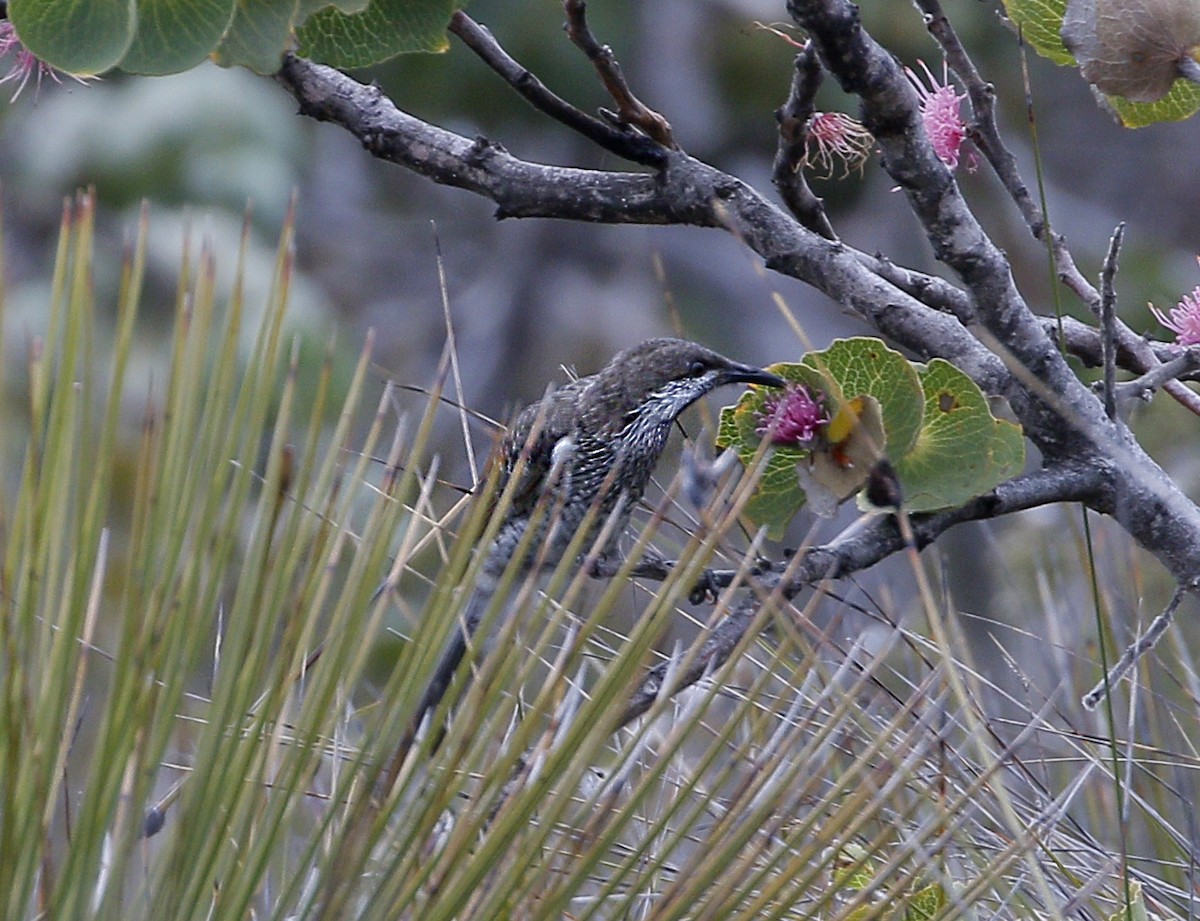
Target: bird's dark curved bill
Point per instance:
(747, 374)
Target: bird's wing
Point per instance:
(529, 448)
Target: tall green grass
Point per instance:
(194, 724)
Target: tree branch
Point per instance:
(1151, 507)
(855, 553)
(685, 191)
(1083, 341)
(790, 155)
(630, 109)
(1058, 413)
(630, 145)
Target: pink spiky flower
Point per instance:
(941, 111)
(24, 63)
(793, 418)
(1184, 319)
(833, 138)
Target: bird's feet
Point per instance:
(652, 566)
(707, 588)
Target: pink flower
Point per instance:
(1184, 320)
(836, 137)
(941, 111)
(793, 418)
(24, 64)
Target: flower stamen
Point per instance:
(793, 418)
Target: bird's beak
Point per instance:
(748, 374)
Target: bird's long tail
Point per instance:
(443, 678)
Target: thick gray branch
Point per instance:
(684, 191)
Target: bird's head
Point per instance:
(660, 378)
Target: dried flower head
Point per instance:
(941, 112)
(792, 418)
(1184, 319)
(1134, 48)
(833, 138)
(23, 64)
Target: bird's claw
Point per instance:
(706, 589)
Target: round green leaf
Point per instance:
(849, 368)
(383, 30)
(864, 366)
(81, 37)
(1040, 22)
(962, 451)
(1183, 101)
(175, 35)
(261, 31)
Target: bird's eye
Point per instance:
(697, 367)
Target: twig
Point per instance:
(928, 289)
(1083, 341)
(630, 109)
(1131, 655)
(1142, 388)
(984, 132)
(790, 154)
(631, 145)
(1108, 317)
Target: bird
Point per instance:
(585, 452)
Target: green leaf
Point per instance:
(925, 903)
(259, 34)
(81, 37)
(1183, 101)
(175, 35)
(939, 432)
(864, 366)
(383, 30)
(1039, 22)
(849, 368)
(962, 451)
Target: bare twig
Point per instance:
(1142, 388)
(928, 289)
(1129, 658)
(790, 154)
(1108, 319)
(630, 109)
(1083, 341)
(631, 145)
